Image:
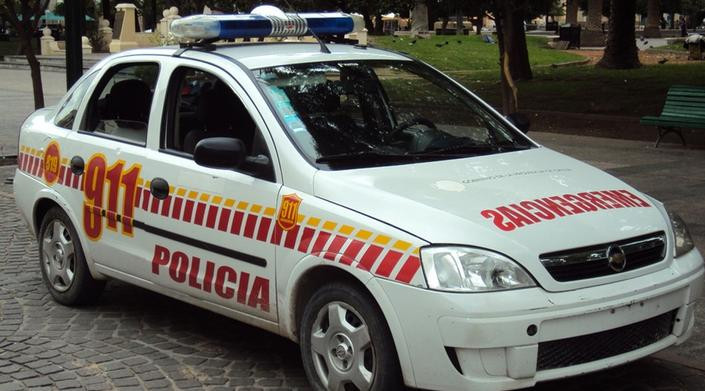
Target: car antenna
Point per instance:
(324, 48)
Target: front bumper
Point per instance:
(487, 341)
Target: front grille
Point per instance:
(592, 261)
(592, 347)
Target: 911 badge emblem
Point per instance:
(616, 259)
(289, 212)
(52, 163)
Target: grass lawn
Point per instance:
(468, 52)
(674, 47)
(587, 89)
(576, 89)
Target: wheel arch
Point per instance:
(303, 282)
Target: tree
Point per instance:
(511, 37)
(25, 22)
(621, 51)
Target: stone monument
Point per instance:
(124, 31)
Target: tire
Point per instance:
(63, 263)
(342, 354)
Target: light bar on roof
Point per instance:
(258, 25)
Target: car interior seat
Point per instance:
(222, 115)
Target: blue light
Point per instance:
(253, 25)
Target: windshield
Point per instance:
(356, 114)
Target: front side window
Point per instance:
(199, 106)
(370, 113)
(67, 113)
(120, 105)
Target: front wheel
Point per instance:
(345, 342)
(63, 263)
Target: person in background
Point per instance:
(683, 26)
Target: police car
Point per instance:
(354, 200)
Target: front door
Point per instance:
(211, 227)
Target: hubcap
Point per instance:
(342, 351)
(58, 256)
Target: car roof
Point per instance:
(266, 54)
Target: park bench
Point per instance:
(684, 108)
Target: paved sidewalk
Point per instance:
(17, 102)
(135, 339)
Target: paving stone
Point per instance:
(125, 382)
(67, 384)
(99, 387)
(62, 376)
(154, 375)
(21, 375)
(157, 384)
(14, 386)
(120, 373)
(49, 369)
(38, 382)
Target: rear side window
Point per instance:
(120, 105)
(67, 113)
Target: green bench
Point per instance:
(684, 108)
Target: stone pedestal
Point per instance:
(170, 15)
(592, 38)
(46, 42)
(106, 34)
(86, 47)
(124, 33)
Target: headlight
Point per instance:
(467, 269)
(681, 237)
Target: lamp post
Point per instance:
(74, 27)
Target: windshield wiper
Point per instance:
(369, 156)
(472, 149)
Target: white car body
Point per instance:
(368, 224)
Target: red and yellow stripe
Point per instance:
(377, 253)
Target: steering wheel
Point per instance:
(409, 123)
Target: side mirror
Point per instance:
(521, 121)
(220, 152)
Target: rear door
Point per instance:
(210, 229)
(103, 159)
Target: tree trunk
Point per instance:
(592, 34)
(368, 21)
(621, 51)
(379, 24)
(35, 72)
(419, 16)
(478, 23)
(514, 39)
(510, 102)
(571, 12)
(459, 26)
(653, 19)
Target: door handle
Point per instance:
(159, 188)
(77, 165)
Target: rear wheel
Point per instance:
(345, 342)
(63, 263)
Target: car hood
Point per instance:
(504, 202)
